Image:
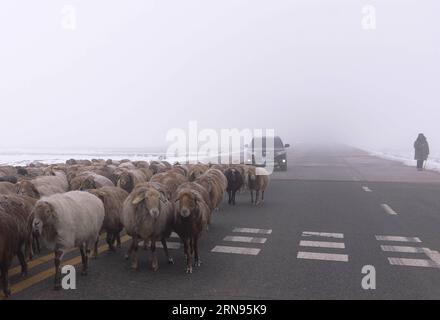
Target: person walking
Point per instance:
(421, 148)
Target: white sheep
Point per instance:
(69, 220)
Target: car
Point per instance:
(258, 152)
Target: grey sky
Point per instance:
(134, 69)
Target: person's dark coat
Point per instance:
(421, 147)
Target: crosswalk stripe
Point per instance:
(236, 250)
(404, 249)
(323, 234)
(413, 262)
(366, 189)
(322, 256)
(174, 235)
(398, 238)
(253, 230)
(322, 244)
(388, 209)
(245, 239)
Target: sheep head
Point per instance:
(152, 199)
(186, 203)
(88, 183)
(44, 220)
(126, 181)
(27, 188)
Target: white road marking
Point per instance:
(170, 245)
(413, 262)
(434, 256)
(388, 209)
(322, 256)
(404, 249)
(398, 238)
(322, 244)
(253, 230)
(174, 235)
(323, 234)
(236, 250)
(366, 189)
(245, 239)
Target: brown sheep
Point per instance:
(258, 179)
(43, 186)
(191, 218)
(196, 170)
(113, 199)
(148, 215)
(90, 180)
(7, 171)
(170, 179)
(8, 188)
(15, 232)
(130, 178)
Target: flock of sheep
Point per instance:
(69, 205)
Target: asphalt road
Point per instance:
(332, 213)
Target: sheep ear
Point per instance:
(139, 198)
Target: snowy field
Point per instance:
(22, 157)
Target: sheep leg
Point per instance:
(197, 261)
(95, 248)
(188, 254)
(130, 250)
(118, 240)
(5, 280)
(230, 197)
(167, 253)
(84, 259)
(233, 197)
(257, 197)
(133, 254)
(58, 256)
(252, 196)
(23, 263)
(110, 239)
(154, 263)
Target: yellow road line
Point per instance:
(35, 262)
(22, 285)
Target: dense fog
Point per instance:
(107, 74)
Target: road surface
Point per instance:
(332, 213)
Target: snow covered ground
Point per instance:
(17, 157)
(407, 157)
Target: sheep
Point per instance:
(170, 179)
(157, 167)
(196, 170)
(215, 183)
(15, 233)
(43, 186)
(181, 168)
(7, 188)
(7, 171)
(89, 180)
(68, 220)
(130, 178)
(191, 218)
(11, 179)
(235, 182)
(141, 164)
(149, 215)
(258, 179)
(113, 198)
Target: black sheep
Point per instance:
(235, 182)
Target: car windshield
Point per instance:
(261, 141)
